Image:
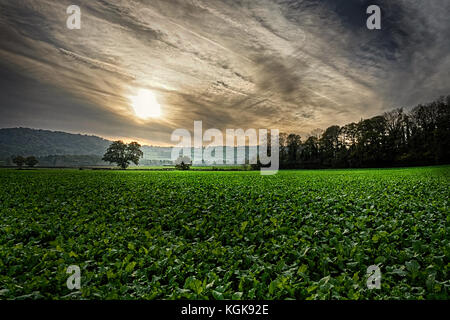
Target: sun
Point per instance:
(145, 105)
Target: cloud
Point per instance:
(294, 64)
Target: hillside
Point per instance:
(40, 143)
(55, 148)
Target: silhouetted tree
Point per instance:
(19, 161)
(183, 163)
(294, 143)
(310, 151)
(283, 141)
(122, 154)
(329, 145)
(418, 137)
(31, 161)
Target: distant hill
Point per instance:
(40, 143)
(56, 148)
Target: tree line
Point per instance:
(396, 138)
(30, 161)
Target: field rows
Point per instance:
(225, 235)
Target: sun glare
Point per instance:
(145, 105)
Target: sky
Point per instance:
(292, 65)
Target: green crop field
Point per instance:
(225, 235)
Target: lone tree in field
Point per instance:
(31, 161)
(19, 161)
(122, 153)
(183, 163)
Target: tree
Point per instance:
(348, 140)
(283, 138)
(329, 145)
(293, 145)
(396, 135)
(134, 152)
(310, 150)
(122, 153)
(19, 161)
(372, 141)
(418, 137)
(31, 161)
(183, 163)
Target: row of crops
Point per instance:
(225, 235)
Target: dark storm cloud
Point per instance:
(275, 76)
(292, 64)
